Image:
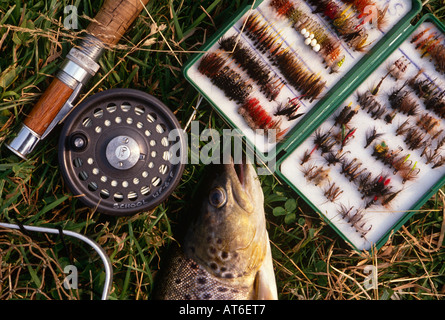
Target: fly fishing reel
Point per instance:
(115, 152)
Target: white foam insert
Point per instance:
(396, 10)
(380, 218)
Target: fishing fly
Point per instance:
(372, 135)
(332, 192)
(260, 32)
(439, 162)
(383, 153)
(346, 136)
(350, 168)
(362, 7)
(402, 101)
(371, 105)
(269, 83)
(403, 128)
(290, 109)
(354, 218)
(430, 43)
(376, 188)
(221, 75)
(423, 88)
(232, 84)
(332, 158)
(298, 76)
(398, 69)
(402, 163)
(427, 122)
(410, 173)
(257, 117)
(315, 35)
(430, 154)
(415, 138)
(294, 71)
(307, 155)
(436, 103)
(324, 141)
(387, 200)
(211, 64)
(343, 211)
(345, 116)
(363, 180)
(317, 175)
(344, 21)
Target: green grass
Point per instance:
(311, 260)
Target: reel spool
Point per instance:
(115, 152)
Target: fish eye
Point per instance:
(217, 197)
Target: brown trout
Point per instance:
(226, 253)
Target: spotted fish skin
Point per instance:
(225, 254)
(187, 280)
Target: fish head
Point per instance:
(228, 236)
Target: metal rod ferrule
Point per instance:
(80, 63)
(24, 142)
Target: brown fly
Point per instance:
(423, 88)
(403, 128)
(345, 116)
(290, 109)
(307, 155)
(332, 192)
(390, 197)
(350, 168)
(402, 101)
(344, 211)
(414, 139)
(401, 163)
(332, 158)
(269, 84)
(430, 155)
(410, 173)
(324, 141)
(232, 84)
(211, 64)
(317, 175)
(297, 75)
(372, 135)
(436, 103)
(427, 122)
(439, 162)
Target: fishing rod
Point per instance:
(81, 63)
(114, 147)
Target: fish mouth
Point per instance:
(244, 187)
(240, 172)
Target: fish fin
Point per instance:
(265, 284)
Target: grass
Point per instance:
(311, 261)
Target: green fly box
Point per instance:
(346, 95)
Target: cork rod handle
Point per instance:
(114, 19)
